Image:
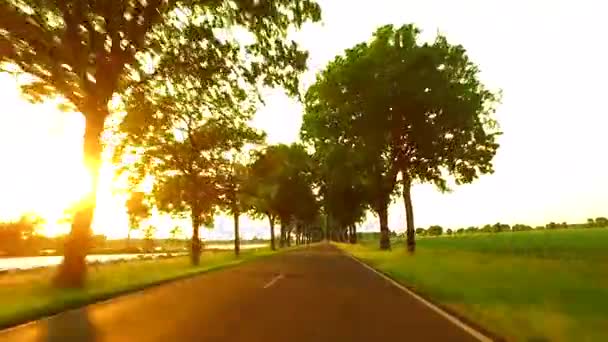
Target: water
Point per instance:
(24, 263)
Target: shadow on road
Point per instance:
(69, 326)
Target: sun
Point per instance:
(42, 170)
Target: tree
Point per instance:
(233, 198)
(472, 229)
(175, 233)
(16, 235)
(138, 210)
(434, 230)
(590, 222)
(448, 232)
(420, 231)
(601, 222)
(88, 51)
(341, 187)
(521, 228)
(280, 187)
(418, 107)
(149, 233)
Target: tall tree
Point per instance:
(420, 107)
(137, 210)
(184, 150)
(233, 197)
(86, 51)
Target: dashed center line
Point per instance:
(273, 281)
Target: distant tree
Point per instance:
(149, 232)
(233, 198)
(434, 231)
(472, 229)
(15, 236)
(420, 231)
(521, 228)
(137, 210)
(449, 231)
(499, 227)
(601, 222)
(487, 228)
(552, 225)
(460, 231)
(590, 222)
(176, 233)
(87, 51)
(539, 227)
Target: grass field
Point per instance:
(549, 285)
(28, 295)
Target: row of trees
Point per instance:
(435, 230)
(392, 112)
(188, 74)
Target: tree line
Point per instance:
(178, 82)
(436, 230)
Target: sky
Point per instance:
(547, 57)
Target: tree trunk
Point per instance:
(326, 235)
(237, 239)
(72, 272)
(195, 252)
(353, 234)
(385, 242)
(129, 238)
(281, 233)
(272, 244)
(409, 214)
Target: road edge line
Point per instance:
(453, 319)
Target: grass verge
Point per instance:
(27, 296)
(527, 286)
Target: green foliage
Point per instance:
(521, 228)
(87, 50)
(137, 209)
(15, 236)
(405, 107)
(280, 186)
(434, 231)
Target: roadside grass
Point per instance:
(524, 286)
(29, 295)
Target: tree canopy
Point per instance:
(414, 111)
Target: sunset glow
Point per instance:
(549, 166)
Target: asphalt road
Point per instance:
(314, 294)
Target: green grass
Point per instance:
(525, 286)
(29, 295)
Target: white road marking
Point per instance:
(476, 334)
(274, 280)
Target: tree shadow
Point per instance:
(70, 326)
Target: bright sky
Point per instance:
(546, 56)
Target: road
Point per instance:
(313, 294)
